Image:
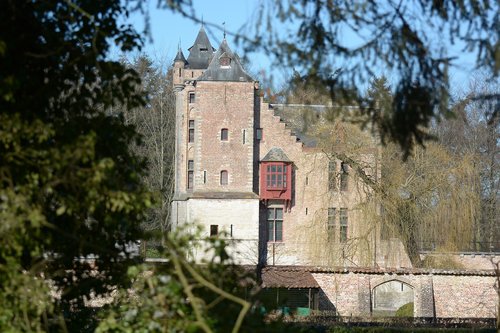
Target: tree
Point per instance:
(155, 121)
(71, 199)
(473, 132)
(430, 199)
(361, 37)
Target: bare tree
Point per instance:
(155, 122)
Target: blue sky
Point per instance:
(168, 29)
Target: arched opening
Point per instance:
(390, 296)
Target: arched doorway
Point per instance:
(389, 296)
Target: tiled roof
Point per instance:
(374, 270)
(287, 277)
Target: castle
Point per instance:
(286, 204)
(275, 194)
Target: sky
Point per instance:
(169, 30)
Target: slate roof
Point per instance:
(201, 52)
(276, 155)
(217, 72)
(180, 56)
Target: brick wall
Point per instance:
(305, 235)
(441, 295)
(224, 105)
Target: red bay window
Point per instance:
(276, 177)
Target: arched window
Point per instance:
(224, 177)
(224, 134)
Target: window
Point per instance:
(274, 224)
(204, 176)
(223, 177)
(214, 230)
(344, 176)
(225, 62)
(332, 175)
(191, 131)
(224, 134)
(276, 176)
(343, 224)
(244, 136)
(191, 96)
(258, 133)
(331, 224)
(190, 174)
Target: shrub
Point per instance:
(405, 310)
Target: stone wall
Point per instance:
(238, 219)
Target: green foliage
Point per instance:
(405, 310)
(177, 295)
(69, 185)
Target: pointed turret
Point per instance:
(178, 73)
(225, 66)
(180, 57)
(201, 52)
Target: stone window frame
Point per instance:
(191, 131)
(331, 223)
(273, 231)
(190, 175)
(192, 97)
(343, 225)
(332, 175)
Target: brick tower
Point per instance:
(215, 180)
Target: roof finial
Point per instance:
(224, 25)
(202, 22)
(179, 46)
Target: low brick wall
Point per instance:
(436, 294)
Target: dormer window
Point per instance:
(225, 61)
(203, 49)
